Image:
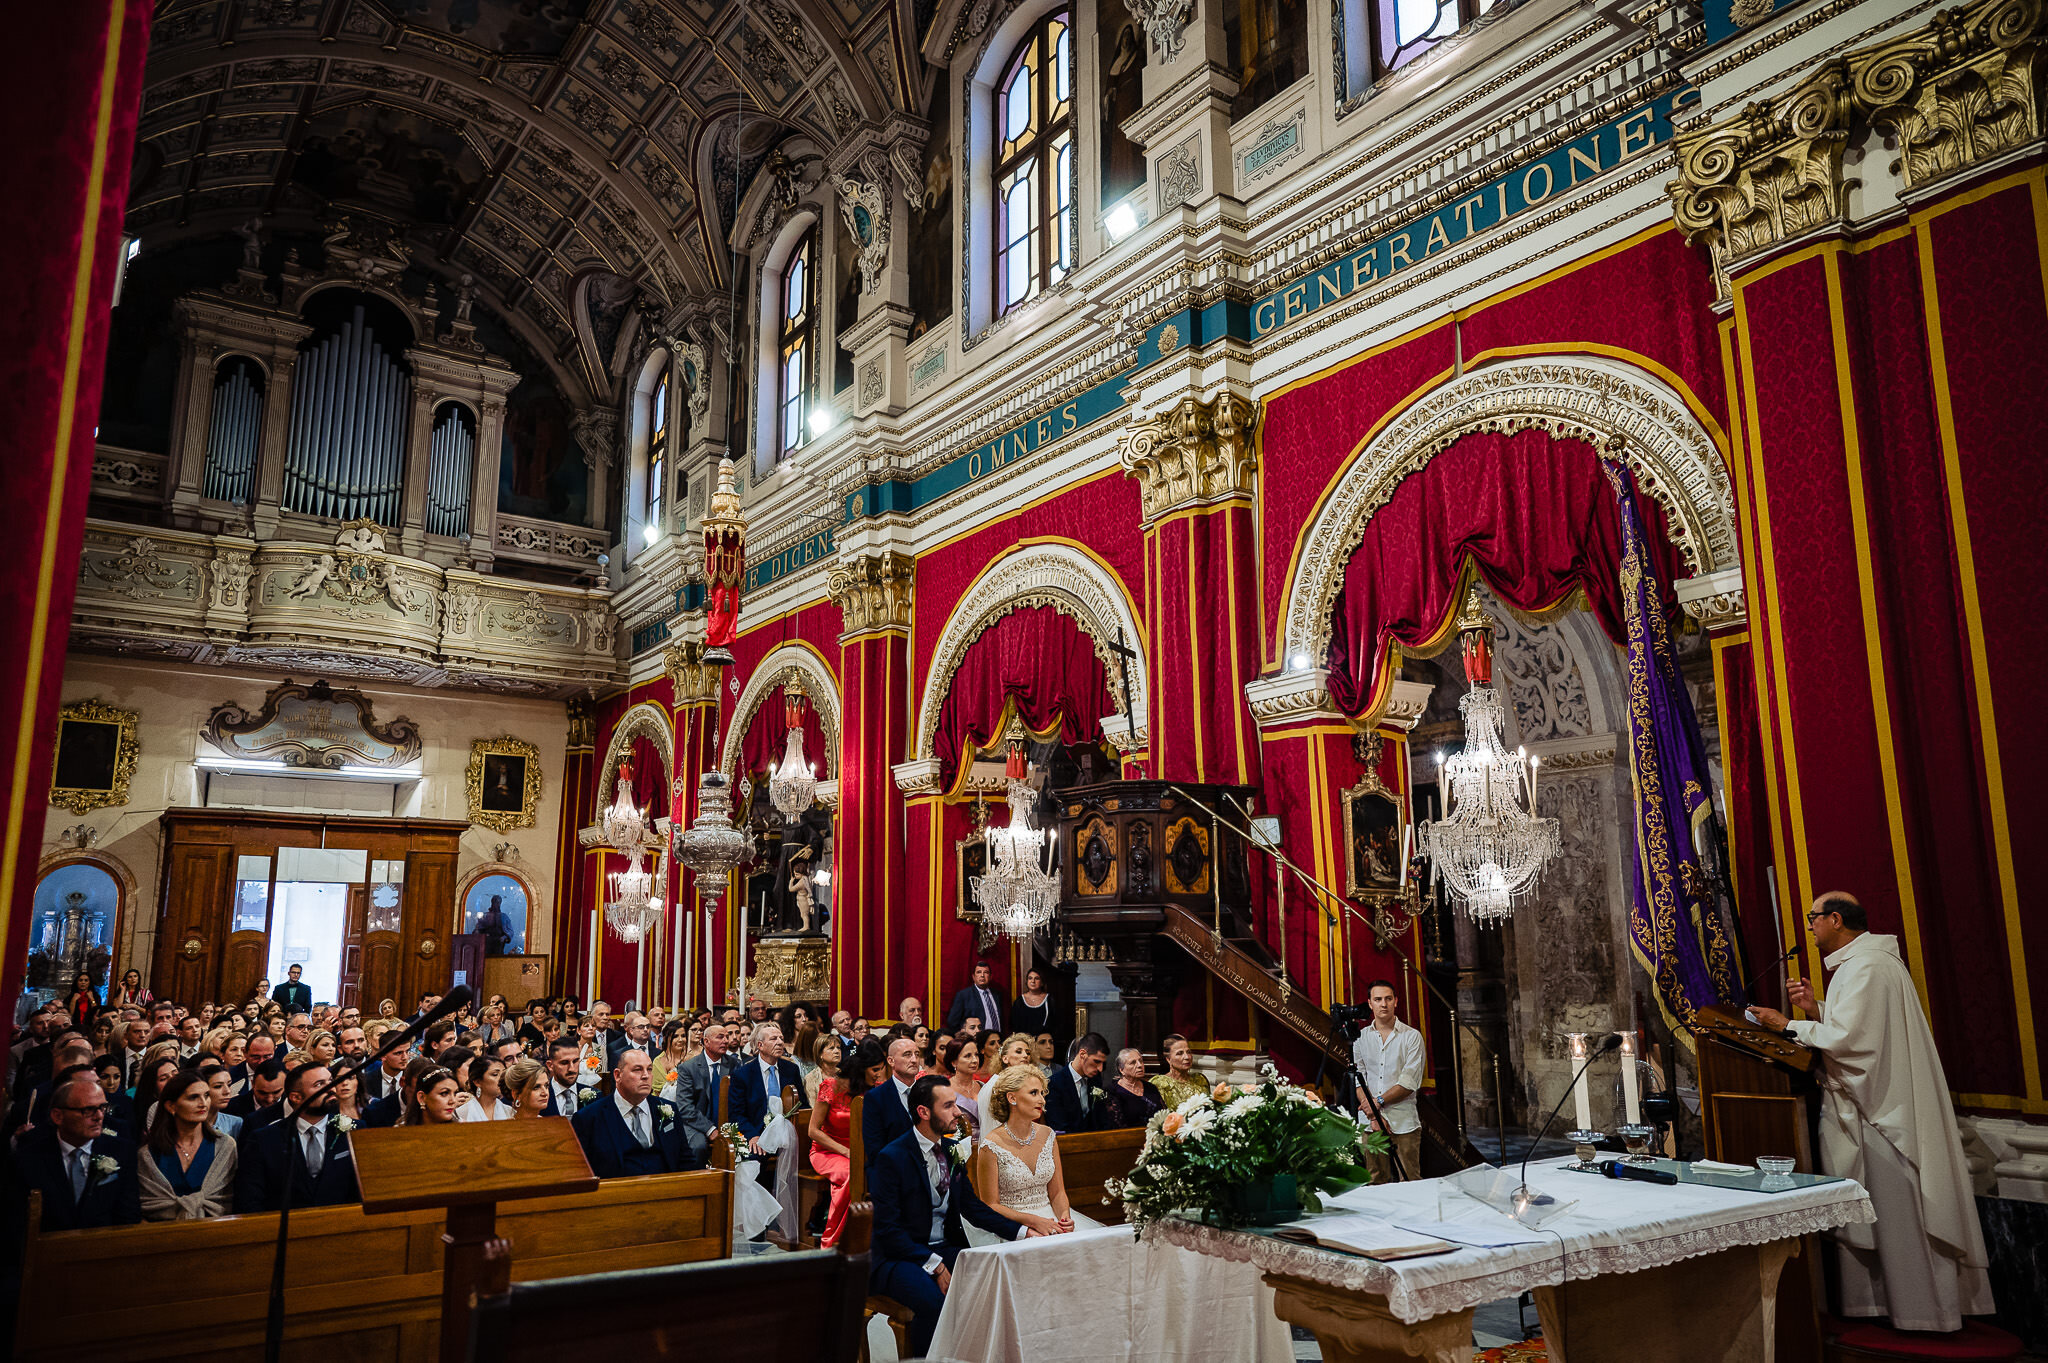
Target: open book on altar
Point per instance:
(1368, 1236)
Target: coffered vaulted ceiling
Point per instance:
(531, 143)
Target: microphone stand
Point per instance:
(273, 1326)
(1523, 1197)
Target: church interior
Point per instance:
(1217, 511)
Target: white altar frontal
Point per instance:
(1631, 1272)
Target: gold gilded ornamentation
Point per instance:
(695, 681)
(1957, 92)
(1186, 868)
(873, 591)
(791, 968)
(1196, 452)
(96, 713)
(502, 820)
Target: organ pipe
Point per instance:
(349, 408)
(233, 431)
(449, 457)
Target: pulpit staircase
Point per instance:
(1248, 968)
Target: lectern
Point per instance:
(469, 1169)
(1758, 1096)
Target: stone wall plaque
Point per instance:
(313, 726)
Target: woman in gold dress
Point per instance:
(1182, 1080)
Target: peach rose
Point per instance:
(1247, 1088)
(1313, 1096)
(1173, 1123)
(1221, 1093)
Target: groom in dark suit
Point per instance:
(86, 1177)
(1073, 1098)
(921, 1194)
(629, 1131)
(304, 1144)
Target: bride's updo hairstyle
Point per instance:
(996, 1096)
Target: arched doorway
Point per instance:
(73, 929)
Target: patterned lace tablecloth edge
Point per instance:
(1419, 1303)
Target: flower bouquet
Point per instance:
(1247, 1155)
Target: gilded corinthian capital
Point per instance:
(1192, 453)
(873, 591)
(695, 681)
(1958, 92)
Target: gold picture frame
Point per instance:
(1375, 819)
(94, 759)
(503, 785)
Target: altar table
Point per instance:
(1096, 1295)
(1634, 1272)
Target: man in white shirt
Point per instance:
(562, 1062)
(1388, 1057)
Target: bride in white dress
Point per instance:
(1017, 1165)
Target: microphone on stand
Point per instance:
(1612, 1043)
(1746, 984)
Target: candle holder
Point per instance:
(1586, 1144)
(1637, 1138)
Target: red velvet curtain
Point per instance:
(768, 731)
(650, 777)
(1041, 658)
(1531, 514)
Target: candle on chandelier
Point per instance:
(1407, 841)
(1631, 1100)
(1534, 762)
(1581, 1095)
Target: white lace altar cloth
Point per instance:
(1617, 1227)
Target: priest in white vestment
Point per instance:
(1886, 1122)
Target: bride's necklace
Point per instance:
(1021, 1142)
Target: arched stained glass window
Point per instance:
(798, 349)
(1034, 152)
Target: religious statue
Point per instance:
(725, 559)
(806, 893)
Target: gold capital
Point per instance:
(1194, 452)
(694, 681)
(873, 591)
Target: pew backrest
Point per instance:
(358, 1286)
(1089, 1159)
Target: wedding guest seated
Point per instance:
(885, 1115)
(677, 1039)
(696, 1089)
(841, 1075)
(763, 1079)
(382, 1078)
(962, 1063)
(157, 1068)
(533, 1031)
(348, 1099)
(390, 1109)
(86, 1176)
(564, 1064)
(828, 1061)
(1074, 1097)
(307, 1146)
(482, 1094)
(187, 1168)
(922, 1197)
(632, 1132)
(526, 1087)
(436, 1098)
(1182, 1080)
(1017, 1049)
(1047, 1050)
(216, 1076)
(71, 1055)
(263, 1103)
(1129, 1099)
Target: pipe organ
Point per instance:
(346, 456)
(450, 457)
(235, 430)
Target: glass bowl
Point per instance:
(1776, 1164)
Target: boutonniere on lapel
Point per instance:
(344, 1125)
(667, 1115)
(957, 1151)
(585, 1096)
(1094, 1092)
(105, 1166)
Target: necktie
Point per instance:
(638, 1121)
(565, 1099)
(945, 1172)
(989, 1020)
(78, 1174)
(314, 1153)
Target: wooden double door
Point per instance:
(216, 898)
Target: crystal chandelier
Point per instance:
(633, 910)
(793, 784)
(1486, 846)
(620, 825)
(1017, 894)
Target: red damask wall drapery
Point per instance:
(1042, 659)
(1530, 513)
(650, 777)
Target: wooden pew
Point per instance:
(358, 1287)
(1088, 1159)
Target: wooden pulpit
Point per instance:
(1759, 1094)
(468, 1169)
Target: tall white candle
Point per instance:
(1407, 841)
(1581, 1096)
(1631, 1100)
